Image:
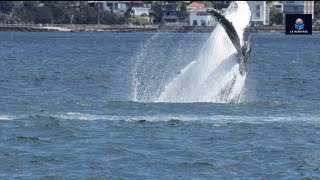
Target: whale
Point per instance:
(239, 34)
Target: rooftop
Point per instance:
(196, 5)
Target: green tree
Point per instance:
(139, 21)
(143, 15)
(43, 15)
(183, 14)
(129, 13)
(207, 4)
(86, 15)
(6, 6)
(111, 18)
(29, 5)
(60, 14)
(156, 7)
(269, 2)
(276, 16)
(26, 13)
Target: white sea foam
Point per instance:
(215, 76)
(7, 117)
(216, 119)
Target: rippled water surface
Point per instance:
(65, 111)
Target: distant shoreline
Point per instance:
(123, 28)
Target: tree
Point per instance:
(26, 13)
(6, 6)
(86, 15)
(129, 12)
(269, 2)
(143, 15)
(156, 7)
(207, 4)
(29, 5)
(183, 14)
(43, 15)
(60, 14)
(111, 18)
(139, 21)
(276, 16)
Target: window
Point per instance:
(195, 22)
(202, 14)
(258, 15)
(203, 23)
(258, 7)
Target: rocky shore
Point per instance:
(124, 28)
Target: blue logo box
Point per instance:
(298, 24)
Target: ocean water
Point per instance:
(66, 110)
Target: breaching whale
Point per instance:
(240, 39)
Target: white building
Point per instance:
(139, 8)
(121, 7)
(298, 7)
(200, 18)
(138, 11)
(277, 6)
(260, 13)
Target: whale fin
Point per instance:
(228, 27)
(244, 51)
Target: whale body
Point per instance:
(239, 33)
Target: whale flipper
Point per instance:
(229, 28)
(243, 51)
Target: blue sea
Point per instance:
(66, 111)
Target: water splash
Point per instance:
(213, 76)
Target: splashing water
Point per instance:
(213, 77)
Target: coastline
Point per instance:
(125, 28)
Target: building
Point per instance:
(260, 13)
(309, 7)
(221, 4)
(299, 7)
(116, 6)
(138, 7)
(278, 6)
(198, 15)
(200, 18)
(170, 11)
(195, 6)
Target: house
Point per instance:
(299, 7)
(170, 11)
(200, 18)
(260, 13)
(139, 7)
(221, 4)
(278, 6)
(198, 15)
(195, 6)
(116, 6)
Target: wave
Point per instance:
(7, 117)
(174, 119)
